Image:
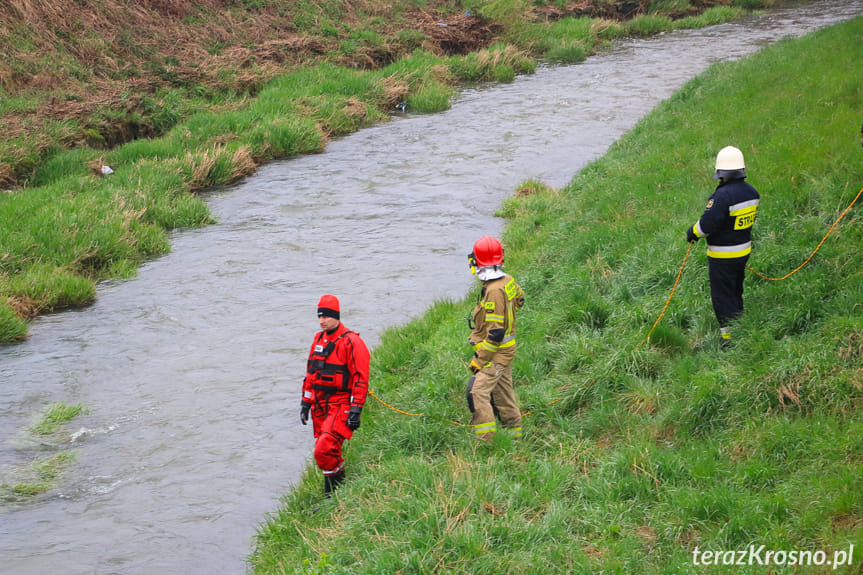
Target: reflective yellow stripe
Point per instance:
(510, 289)
(486, 428)
(494, 317)
(489, 346)
(507, 342)
(516, 431)
(728, 252)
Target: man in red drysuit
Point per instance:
(334, 389)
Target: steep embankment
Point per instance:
(638, 458)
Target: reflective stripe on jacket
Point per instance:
(727, 220)
(494, 320)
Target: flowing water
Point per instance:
(191, 372)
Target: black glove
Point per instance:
(304, 412)
(354, 417)
(691, 235)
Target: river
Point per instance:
(191, 372)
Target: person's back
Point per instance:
(728, 218)
(727, 224)
(490, 390)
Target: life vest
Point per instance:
(325, 376)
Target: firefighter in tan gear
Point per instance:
(490, 390)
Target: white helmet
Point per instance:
(729, 164)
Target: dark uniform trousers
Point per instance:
(726, 287)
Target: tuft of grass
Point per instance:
(12, 327)
(710, 17)
(649, 24)
(37, 477)
(56, 415)
(567, 53)
(498, 63)
(40, 473)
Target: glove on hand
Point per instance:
(690, 235)
(354, 417)
(304, 412)
(474, 365)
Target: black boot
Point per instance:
(333, 481)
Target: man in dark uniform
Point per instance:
(727, 224)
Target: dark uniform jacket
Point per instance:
(727, 220)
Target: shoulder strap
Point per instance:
(332, 345)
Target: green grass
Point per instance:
(710, 17)
(635, 456)
(39, 476)
(38, 473)
(56, 415)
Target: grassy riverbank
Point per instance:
(177, 97)
(636, 459)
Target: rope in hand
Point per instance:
(795, 270)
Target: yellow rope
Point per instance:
(795, 270)
(671, 295)
(372, 393)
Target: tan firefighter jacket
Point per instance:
(493, 320)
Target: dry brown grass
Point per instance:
(77, 62)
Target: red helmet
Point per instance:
(487, 251)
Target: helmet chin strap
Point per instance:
(490, 273)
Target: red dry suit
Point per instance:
(337, 378)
